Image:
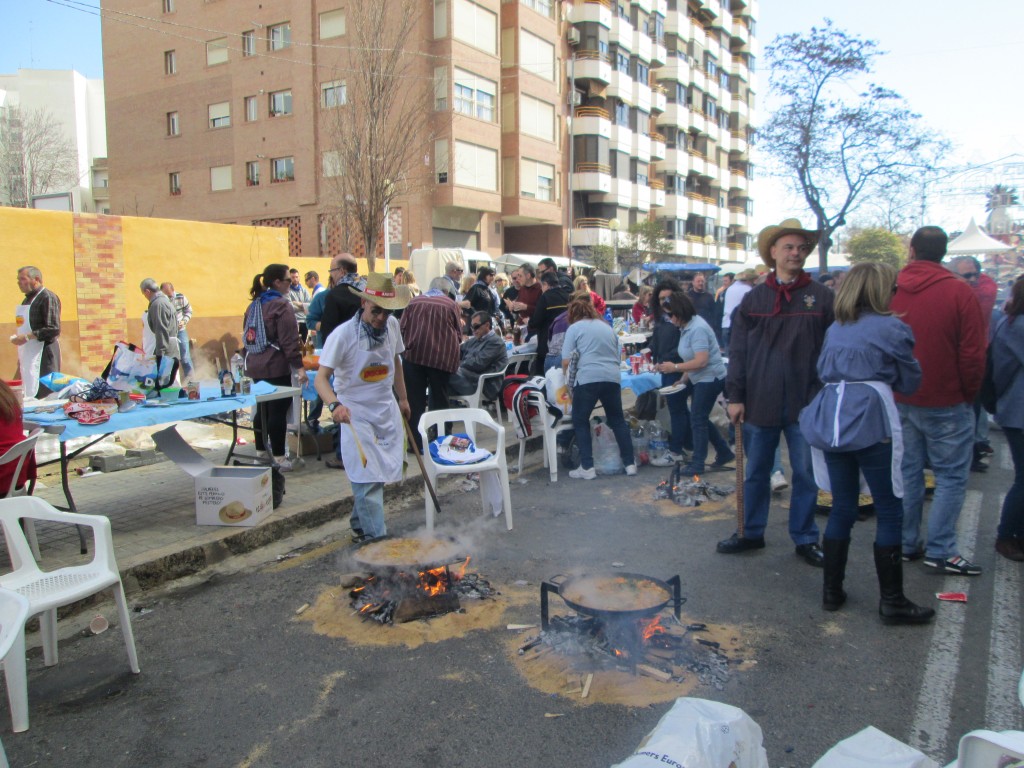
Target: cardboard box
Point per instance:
(235, 496)
(309, 443)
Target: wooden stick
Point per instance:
(657, 674)
(419, 460)
(359, 445)
(586, 686)
(739, 480)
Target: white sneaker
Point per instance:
(283, 463)
(631, 469)
(668, 459)
(779, 482)
(261, 454)
(583, 474)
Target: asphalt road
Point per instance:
(231, 677)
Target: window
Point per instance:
(220, 178)
(622, 62)
(217, 52)
(332, 94)
(537, 118)
(476, 166)
(279, 36)
(440, 88)
(220, 114)
(252, 173)
(475, 25)
(474, 95)
(174, 180)
(643, 73)
(440, 19)
(441, 160)
(282, 169)
(249, 43)
(170, 63)
(642, 171)
(252, 109)
(280, 103)
(330, 164)
(173, 128)
(168, 6)
(536, 55)
(621, 113)
(536, 180)
(332, 24)
(543, 7)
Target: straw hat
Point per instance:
(380, 289)
(767, 237)
(747, 275)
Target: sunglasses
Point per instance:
(476, 326)
(970, 275)
(665, 302)
(378, 311)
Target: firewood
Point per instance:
(660, 654)
(657, 674)
(537, 654)
(419, 607)
(518, 627)
(355, 579)
(586, 686)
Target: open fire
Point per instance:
(398, 596)
(690, 491)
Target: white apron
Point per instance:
(375, 417)
(30, 354)
(895, 428)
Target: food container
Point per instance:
(245, 386)
(634, 363)
(193, 390)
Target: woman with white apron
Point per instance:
(854, 432)
(362, 356)
(34, 357)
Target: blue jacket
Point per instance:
(1007, 340)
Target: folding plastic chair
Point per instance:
(14, 612)
(550, 432)
(497, 463)
(476, 400)
(17, 455)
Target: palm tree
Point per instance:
(1001, 197)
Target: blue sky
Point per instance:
(957, 62)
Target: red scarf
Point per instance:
(785, 289)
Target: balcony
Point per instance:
(659, 98)
(739, 105)
(738, 141)
(657, 195)
(738, 181)
(641, 198)
(591, 232)
(739, 30)
(597, 11)
(674, 114)
(592, 177)
(737, 216)
(657, 146)
(647, 6)
(622, 33)
(642, 46)
(641, 148)
(659, 54)
(677, 69)
(592, 121)
(592, 65)
(621, 86)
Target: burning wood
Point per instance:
(690, 491)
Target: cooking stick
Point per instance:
(739, 480)
(419, 460)
(359, 445)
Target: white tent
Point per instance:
(974, 241)
(510, 261)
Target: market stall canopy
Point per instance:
(510, 261)
(670, 266)
(973, 240)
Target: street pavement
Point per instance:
(232, 675)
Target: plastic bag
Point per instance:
(607, 460)
(697, 733)
(131, 370)
(557, 390)
(657, 441)
(872, 747)
(641, 443)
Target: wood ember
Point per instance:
(424, 606)
(657, 674)
(401, 597)
(692, 491)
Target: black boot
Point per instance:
(836, 551)
(894, 608)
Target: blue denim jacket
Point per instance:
(1007, 340)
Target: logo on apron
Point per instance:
(373, 373)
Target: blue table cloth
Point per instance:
(640, 382)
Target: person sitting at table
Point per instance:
(12, 433)
(582, 284)
(273, 355)
(642, 307)
(483, 352)
(595, 376)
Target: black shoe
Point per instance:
(721, 463)
(736, 544)
(836, 551)
(984, 448)
(812, 554)
(912, 556)
(692, 469)
(979, 466)
(893, 605)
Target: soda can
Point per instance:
(245, 386)
(634, 363)
(193, 390)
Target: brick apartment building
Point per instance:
(216, 111)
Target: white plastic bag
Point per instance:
(698, 733)
(556, 390)
(607, 459)
(872, 747)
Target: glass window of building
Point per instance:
(217, 52)
(173, 126)
(220, 114)
(332, 24)
(174, 182)
(252, 109)
(536, 55)
(280, 103)
(333, 94)
(476, 166)
(537, 118)
(282, 169)
(170, 63)
(249, 43)
(220, 178)
(474, 95)
(279, 36)
(252, 173)
(475, 25)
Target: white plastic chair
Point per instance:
(17, 455)
(550, 433)
(476, 400)
(14, 612)
(515, 365)
(48, 590)
(497, 463)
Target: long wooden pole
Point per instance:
(419, 460)
(739, 480)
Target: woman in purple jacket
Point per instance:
(272, 354)
(854, 430)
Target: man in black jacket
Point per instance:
(553, 301)
(342, 303)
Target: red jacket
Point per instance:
(949, 334)
(10, 434)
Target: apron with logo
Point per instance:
(375, 417)
(30, 354)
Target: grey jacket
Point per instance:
(1007, 340)
(163, 321)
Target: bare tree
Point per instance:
(36, 156)
(378, 130)
(837, 137)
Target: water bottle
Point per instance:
(641, 443)
(657, 442)
(236, 367)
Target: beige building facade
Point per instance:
(550, 119)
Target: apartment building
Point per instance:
(75, 103)
(550, 119)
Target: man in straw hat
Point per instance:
(777, 333)
(362, 355)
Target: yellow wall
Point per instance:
(42, 239)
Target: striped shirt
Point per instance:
(432, 330)
(182, 309)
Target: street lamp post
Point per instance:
(613, 225)
(708, 242)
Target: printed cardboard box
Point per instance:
(235, 496)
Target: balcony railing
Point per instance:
(605, 3)
(591, 224)
(593, 56)
(593, 112)
(593, 168)
(656, 184)
(655, 136)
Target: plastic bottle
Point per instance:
(657, 442)
(641, 443)
(236, 367)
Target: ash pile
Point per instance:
(400, 597)
(690, 491)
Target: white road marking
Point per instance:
(929, 731)
(1002, 707)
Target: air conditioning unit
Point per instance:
(573, 36)
(577, 98)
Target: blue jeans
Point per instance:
(844, 469)
(704, 396)
(584, 398)
(368, 509)
(945, 438)
(186, 358)
(759, 444)
(681, 437)
(1011, 522)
